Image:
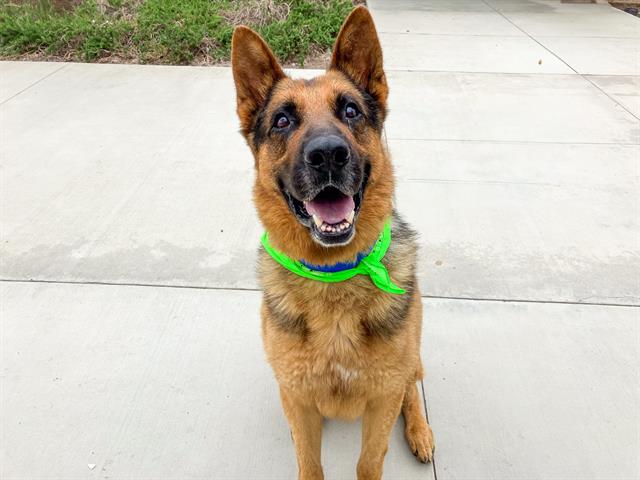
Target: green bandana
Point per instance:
(370, 265)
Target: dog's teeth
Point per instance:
(335, 228)
(352, 214)
(317, 220)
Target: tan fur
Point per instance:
(334, 348)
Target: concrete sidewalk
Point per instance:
(129, 306)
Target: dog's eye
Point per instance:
(351, 111)
(281, 121)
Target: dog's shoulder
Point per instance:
(388, 314)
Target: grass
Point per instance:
(164, 31)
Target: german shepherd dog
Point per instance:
(324, 192)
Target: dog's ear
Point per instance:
(255, 72)
(358, 54)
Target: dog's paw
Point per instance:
(420, 439)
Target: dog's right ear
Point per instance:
(255, 72)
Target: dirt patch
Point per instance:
(632, 8)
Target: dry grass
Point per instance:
(257, 12)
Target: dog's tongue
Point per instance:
(331, 211)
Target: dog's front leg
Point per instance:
(305, 422)
(379, 417)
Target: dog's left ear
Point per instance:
(358, 54)
(255, 72)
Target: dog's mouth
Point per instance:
(330, 215)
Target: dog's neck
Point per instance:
(338, 266)
(368, 264)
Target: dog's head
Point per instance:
(323, 176)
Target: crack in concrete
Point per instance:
(248, 289)
(33, 84)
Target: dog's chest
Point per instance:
(333, 340)
(335, 369)
(339, 354)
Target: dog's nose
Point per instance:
(327, 152)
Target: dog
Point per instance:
(341, 310)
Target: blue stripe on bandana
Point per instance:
(337, 267)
